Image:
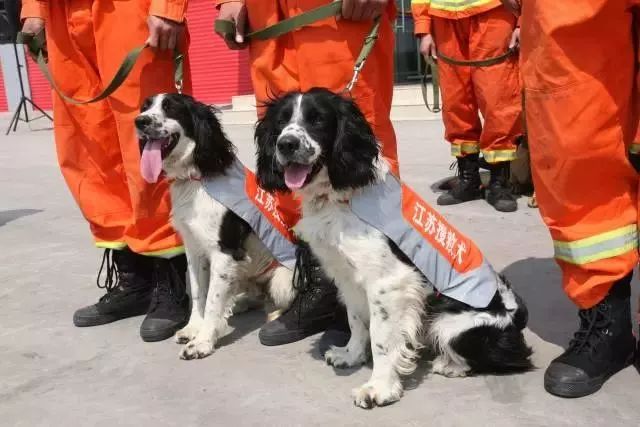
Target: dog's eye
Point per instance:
(317, 121)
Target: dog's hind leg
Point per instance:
(222, 280)
(198, 269)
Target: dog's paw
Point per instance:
(376, 393)
(187, 334)
(196, 349)
(341, 357)
(446, 367)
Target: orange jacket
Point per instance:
(423, 10)
(174, 10)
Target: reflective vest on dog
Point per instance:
(239, 192)
(446, 257)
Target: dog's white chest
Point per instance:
(350, 250)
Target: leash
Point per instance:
(227, 30)
(432, 65)
(36, 45)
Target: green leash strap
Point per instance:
(227, 29)
(435, 75)
(432, 66)
(480, 62)
(36, 46)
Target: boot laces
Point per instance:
(594, 324)
(303, 276)
(166, 288)
(112, 276)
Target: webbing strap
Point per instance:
(227, 29)
(36, 45)
(479, 62)
(431, 65)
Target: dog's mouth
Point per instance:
(297, 175)
(154, 151)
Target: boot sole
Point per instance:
(458, 201)
(291, 336)
(105, 319)
(580, 389)
(157, 335)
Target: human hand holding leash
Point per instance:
(236, 12)
(164, 34)
(428, 46)
(363, 10)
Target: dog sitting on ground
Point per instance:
(183, 139)
(320, 146)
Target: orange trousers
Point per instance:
(323, 55)
(578, 72)
(492, 91)
(97, 146)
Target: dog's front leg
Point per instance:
(356, 351)
(387, 347)
(222, 279)
(198, 268)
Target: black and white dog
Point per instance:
(183, 139)
(320, 146)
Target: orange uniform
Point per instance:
(97, 146)
(323, 55)
(475, 30)
(578, 68)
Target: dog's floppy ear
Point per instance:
(213, 153)
(355, 150)
(270, 175)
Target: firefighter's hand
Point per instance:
(363, 10)
(515, 39)
(428, 46)
(33, 26)
(164, 33)
(236, 12)
(513, 5)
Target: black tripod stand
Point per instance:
(13, 125)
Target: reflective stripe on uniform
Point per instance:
(464, 147)
(111, 245)
(381, 206)
(602, 246)
(230, 190)
(458, 5)
(166, 253)
(635, 148)
(420, 2)
(495, 156)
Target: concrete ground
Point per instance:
(53, 374)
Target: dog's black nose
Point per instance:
(143, 121)
(288, 144)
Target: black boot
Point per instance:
(499, 194)
(338, 333)
(312, 310)
(128, 286)
(467, 187)
(603, 345)
(169, 309)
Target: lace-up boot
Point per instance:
(499, 194)
(468, 185)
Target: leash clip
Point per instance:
(354, 78)
(179, 86)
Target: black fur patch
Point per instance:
(233, 233)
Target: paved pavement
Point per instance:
(52, 374)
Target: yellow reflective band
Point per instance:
(111, 245)
(458, 5)
(635, 148)
(602, 246)
(496, 156)
(420, 2)
(464, 147)
(166, 253)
